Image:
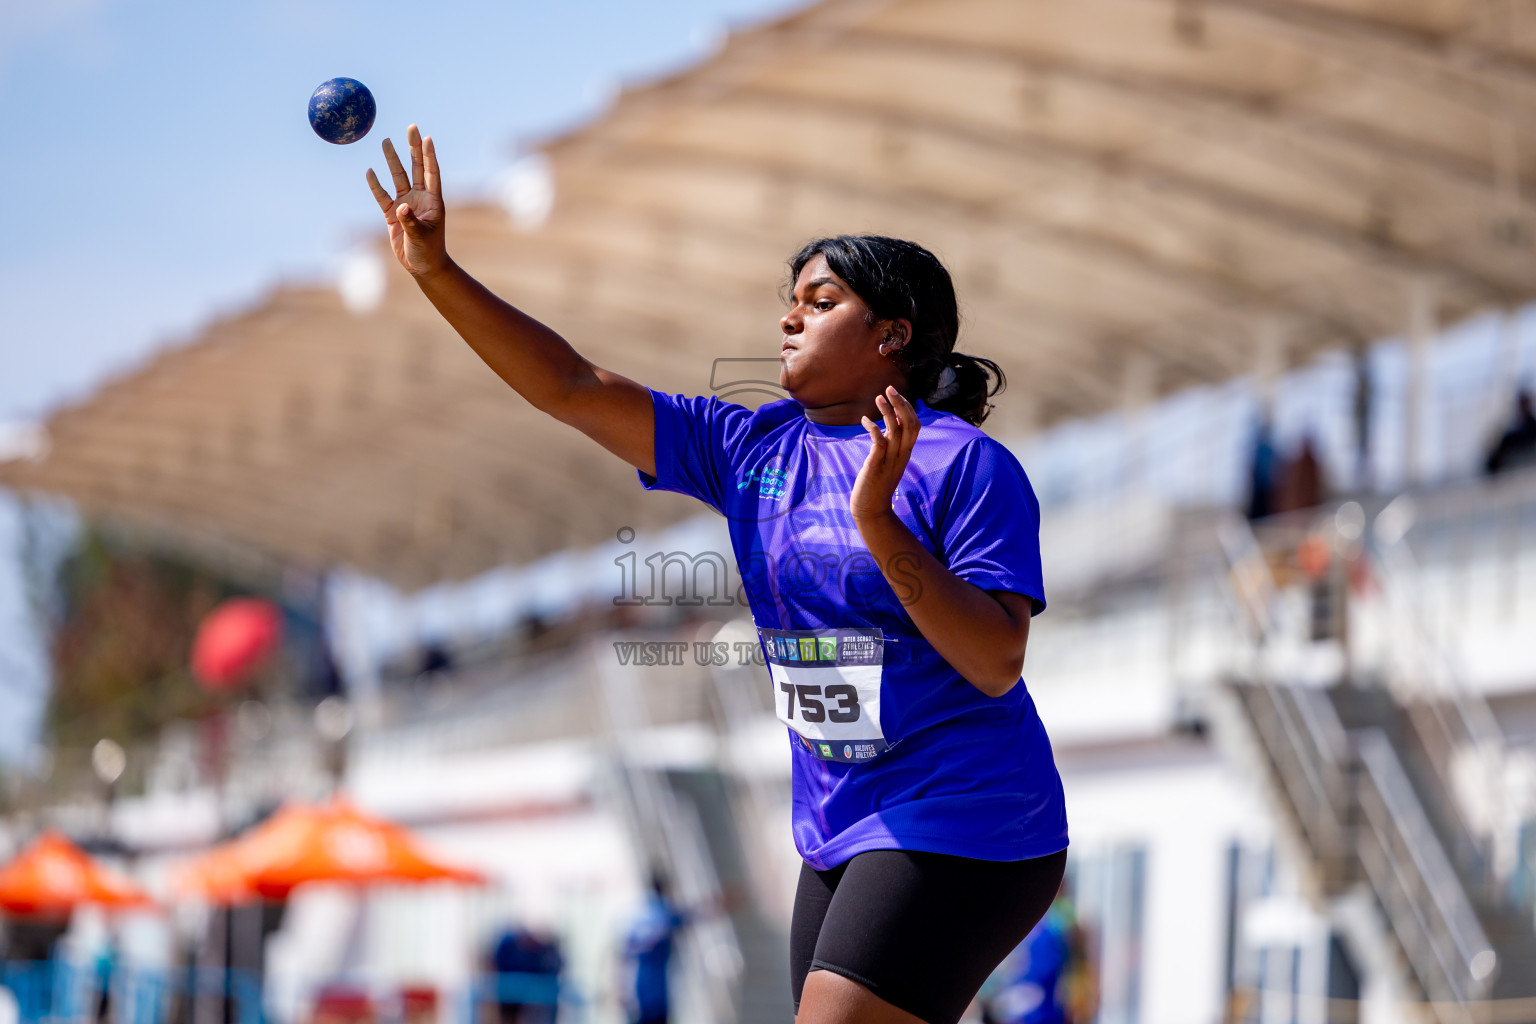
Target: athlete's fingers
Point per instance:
(413, 140)
(434, 181)
(892, 432)
(902, 423)
(408, 220)
(876, 439)
(901, 414)
(396, 169)
(379, 195)
(909, 420)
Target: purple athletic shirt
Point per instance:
(892, 748)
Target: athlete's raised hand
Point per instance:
(415, 213)
(535, 361)
(889, 452)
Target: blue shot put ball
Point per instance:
(342, 110)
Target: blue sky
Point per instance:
(161, 169)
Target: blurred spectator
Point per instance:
(527, 967)
(1301, 482)
(106, 969)
(435, 657)
(1048, 979)
(1517, 446)
(648, 948)
(1262, 470)
(1362, 409)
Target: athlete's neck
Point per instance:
(850, 413)
(843, 414)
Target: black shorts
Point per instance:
(920, 930)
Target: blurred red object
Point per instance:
(1362, 580)
(1314, 556)
(234, 640)
(418, 1004)
(53, 876)
(343, 1004)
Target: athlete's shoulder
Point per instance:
(973, 455)
(961, 436)
(947, 423)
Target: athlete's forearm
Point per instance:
(542, 366)
(979, 634)
(535, 361)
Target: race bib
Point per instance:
(827, 689)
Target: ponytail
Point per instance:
(958, 383)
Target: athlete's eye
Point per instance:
(824, 304)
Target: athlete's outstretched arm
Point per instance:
(982, 633)
(538, 364)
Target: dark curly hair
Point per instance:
(901, 280)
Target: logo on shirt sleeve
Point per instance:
(770, 480)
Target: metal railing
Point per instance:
(1431, 915)
(1313, 773)
(62, 991)
(1453, 720)
(669, 832)
(1308, 764)
(1413, 878)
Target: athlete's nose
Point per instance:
(791, 324)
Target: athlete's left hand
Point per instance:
(889, 451)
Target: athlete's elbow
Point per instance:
(996, 680)
(568, 395)
(999, 656)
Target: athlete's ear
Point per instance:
(897, 334)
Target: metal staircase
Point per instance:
(688, 821)
(1366, 778)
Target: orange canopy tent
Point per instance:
(52, 876)
(299, 844)
(224, 873)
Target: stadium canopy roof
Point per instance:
(1134, 195)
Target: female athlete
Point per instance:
(890, 553)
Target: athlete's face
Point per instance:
(832, 357)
